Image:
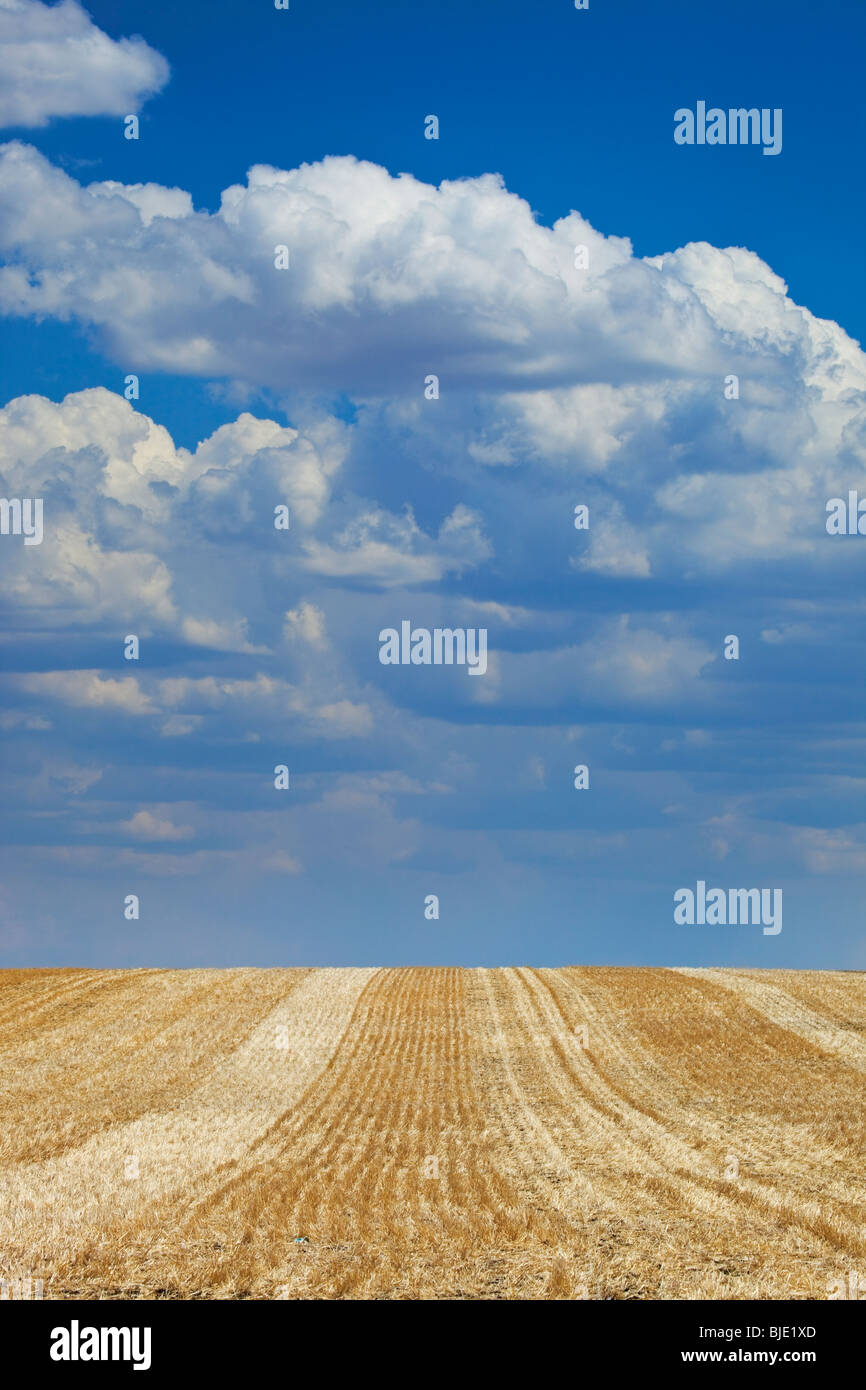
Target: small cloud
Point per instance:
(391, 551)
(616, 549)
(88, 690)
(282, 863)
(20, 719)
(346, 720)
(306, 623)
(832, 851)
(179, 725)
(145, 826)
(536, 771)
(229, 636)
(54, 61)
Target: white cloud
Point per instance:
(833, 851)
(222, 636)
(124, 508)
(393, 551)
(54, 61)
(180, 725)
(343, 719)
(20, 719)
(620, 662)
(151, 199)
(390, 279)
(611, 376)
(281, 863)
(557, 387)
(616, 548)
(87, 690)
(269, 700)
(305, 623)
(509, 615)
(74, 571)
(72, 778)
(144, 825)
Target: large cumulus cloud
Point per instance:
(388, 278)
(558, 386)
(610, 376)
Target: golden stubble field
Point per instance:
(433, 1133)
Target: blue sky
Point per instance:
(558, 386)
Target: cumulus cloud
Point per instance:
(390, 279)
(619, 662)
(611, 375)
(393, 551)
(122, 504)
(616, 547)
(267, 700)
(70, 778)
(223, 636)
(281, 863)
(88, 690)
(144, 825)
(558, 386)
(833, 851)
(305, 623)
(54, 61)
(20, 719)
(184, 705)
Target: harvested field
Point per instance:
(433, 1133)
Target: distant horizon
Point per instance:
(354, 965)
